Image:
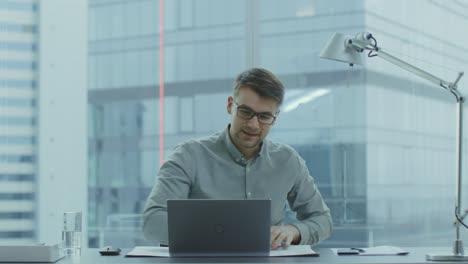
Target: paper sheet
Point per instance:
(293, 250)
(379, 251)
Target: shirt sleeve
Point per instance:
(314, 218)
(173, 182)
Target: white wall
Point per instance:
(62, 104)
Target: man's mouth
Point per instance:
(250, 134)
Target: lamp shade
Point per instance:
(335, 49)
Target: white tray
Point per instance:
(30, 253)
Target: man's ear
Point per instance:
(229, 104)
(276, 114)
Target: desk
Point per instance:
(417, 255)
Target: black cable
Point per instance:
(374, 45)
(371, 55)
(375, 42)
(459, 220)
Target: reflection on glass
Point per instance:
(377, 151)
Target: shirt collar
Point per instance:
(234, 152)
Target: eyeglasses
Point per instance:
(247, 114)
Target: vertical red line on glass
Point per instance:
(161, 82)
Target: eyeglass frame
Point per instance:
(253, 113)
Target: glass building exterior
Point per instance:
(90, 106)
(18, 56)
(379, 141)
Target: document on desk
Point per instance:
(293, 250)
(375, 251)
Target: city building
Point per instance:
(18, 121)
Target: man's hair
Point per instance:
(262, 82)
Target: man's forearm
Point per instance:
(155, 226)
(315, 229)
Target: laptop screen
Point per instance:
(207, 227)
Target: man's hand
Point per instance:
(283, 236)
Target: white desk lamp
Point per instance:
(348, 49)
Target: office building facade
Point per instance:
(18, 77)
(378, 141)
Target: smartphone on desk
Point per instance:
(347, 251)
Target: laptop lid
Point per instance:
(206, 227)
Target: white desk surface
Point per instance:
(416, 255)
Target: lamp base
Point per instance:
(446, 257)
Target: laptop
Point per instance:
(206, 227)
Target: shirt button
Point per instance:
(249, 194)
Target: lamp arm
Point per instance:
(458, 249)
(458, 243)
(363, 41)
(417, 71)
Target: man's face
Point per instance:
(248, 134)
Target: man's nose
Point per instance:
(253, 122)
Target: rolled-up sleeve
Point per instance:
(173, 182)
(314, 218)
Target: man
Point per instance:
(239, 163)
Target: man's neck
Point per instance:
(248, 155)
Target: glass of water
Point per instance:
(71, 233)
